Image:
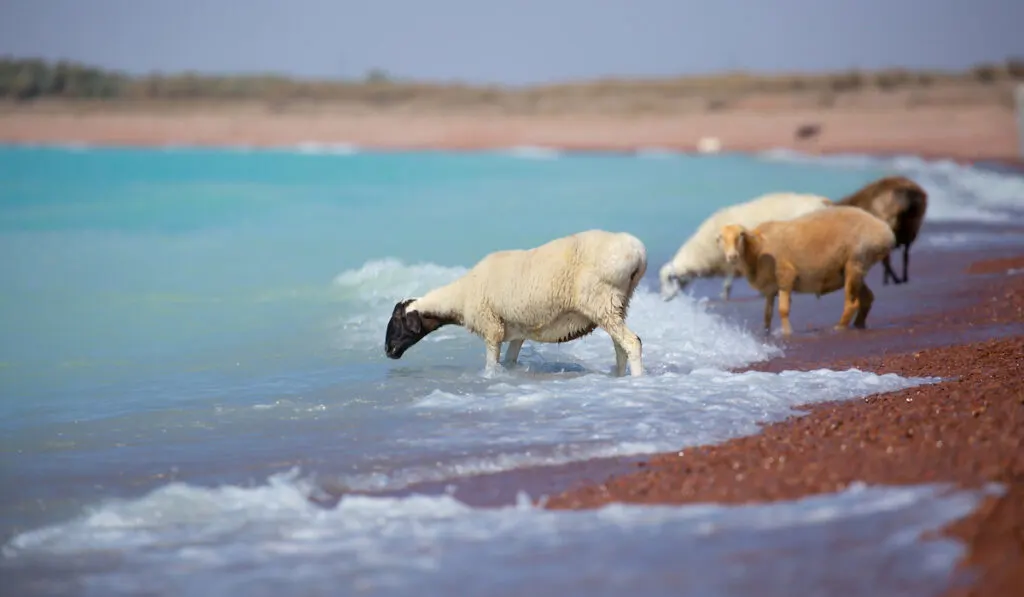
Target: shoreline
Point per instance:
(961, 133)
(966, 430)
(1012, 163)
(971, 334)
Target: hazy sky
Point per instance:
(515, 41)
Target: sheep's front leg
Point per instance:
(785, 280)
(493, 351)
(769, 311)
(785, 296)
(512, 353)
(492, 330)
(727, 285)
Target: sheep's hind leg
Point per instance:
(851, 298)
(769, 311)
(888, 272)
(867, 298)
(512, 352)
(620, 359)
(627, 342)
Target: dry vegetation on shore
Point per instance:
(961, 115)
(49, 86)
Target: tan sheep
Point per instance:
(899, 202)
(699, 257)
(816, 253)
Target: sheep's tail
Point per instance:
(625, 262)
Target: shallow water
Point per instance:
(184, 541)
(211, 318)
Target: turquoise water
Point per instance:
(127, 266)
(178, 320)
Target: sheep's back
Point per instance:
(827, 239)
(615, 257)
(531, 285)
(700, 253)
(773, 206)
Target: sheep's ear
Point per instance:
(413, 322)
(400, 306)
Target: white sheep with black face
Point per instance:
(700, 257)
(558, 292)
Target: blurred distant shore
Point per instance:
(965, 115)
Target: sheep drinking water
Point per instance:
(816, 253)
(699, 256)
(558, 292)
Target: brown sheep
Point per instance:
(899, 202)
(816, 253)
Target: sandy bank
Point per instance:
(968, 132)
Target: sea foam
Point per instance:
(956, 192)
(270, 539)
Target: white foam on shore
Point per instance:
(269, 539)
(532, 152)
(956, 192)
(658, 152)
(319, 148)
(956, 241)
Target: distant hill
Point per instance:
(29, 80)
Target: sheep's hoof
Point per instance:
(839, 327)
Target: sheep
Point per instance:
(709, 145)
(899, 202)
(817, 253)
(557, 292)
(700, 257)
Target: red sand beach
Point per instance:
(968, 430)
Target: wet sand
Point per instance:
(967, 430)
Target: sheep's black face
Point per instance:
(409, 327)
(404, 330)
